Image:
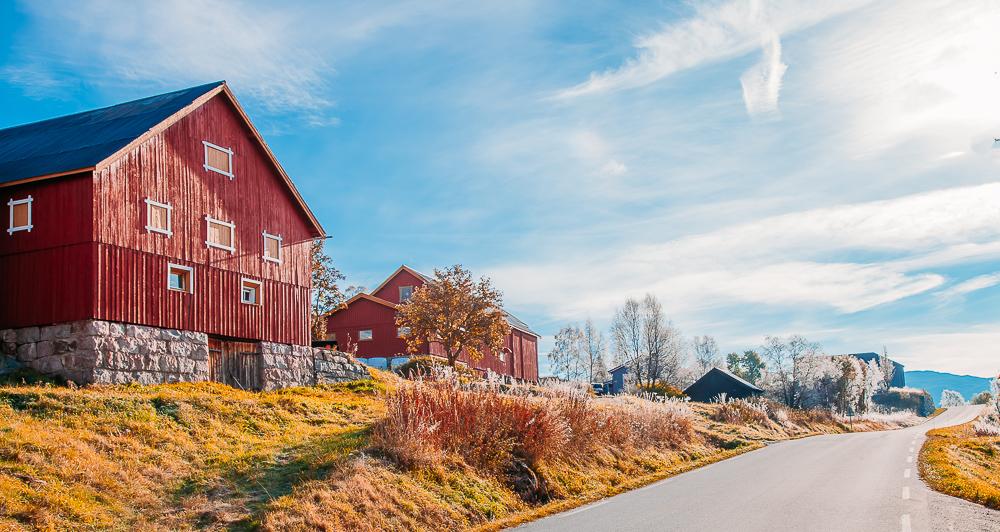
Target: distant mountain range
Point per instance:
(935, 382)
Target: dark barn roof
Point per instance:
(718, 381)
(82, 140)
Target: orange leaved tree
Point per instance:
(456, 312)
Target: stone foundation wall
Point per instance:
(95, 351)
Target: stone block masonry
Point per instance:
(102, 352)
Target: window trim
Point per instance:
(401, 300)
(259, 294)
(189, 269)
(371, 335)
(170, 223)
(10, 207)
(265, 235)
(211, 168)
(232, 234)
(399, 332)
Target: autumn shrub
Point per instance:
(432, 368)
(493, 429)
(662, 390)
(989, 423)
(742, 411)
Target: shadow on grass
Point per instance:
(247, 490)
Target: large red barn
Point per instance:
(368, 323)
(141, 233)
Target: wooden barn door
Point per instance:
(234, 363)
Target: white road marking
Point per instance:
(911, 450)
(906, 473)
(906, 493)
(909, 459)
(904, 523)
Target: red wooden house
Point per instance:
(142, 235)
(368, 321)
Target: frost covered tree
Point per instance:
(793, 366)
(950, 398)
(647, 342)
(567, 359)
(706, 353)
(595, 352)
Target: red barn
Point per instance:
(368, 322)
(155, 240)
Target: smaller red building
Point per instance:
(368, 321)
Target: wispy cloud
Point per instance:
(714, 33)
(762, 82)
(981, 282)
(785, 260)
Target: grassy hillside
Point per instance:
(963, 463)
(936, 382)
(205, 456)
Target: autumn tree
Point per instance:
(456, 312)
(326, 294)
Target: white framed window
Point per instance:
(364, 334)
(220, 234)
(180, 278)
(158, 217)
(218, 159)
(503, 355)
(405, 293)
(250, 292)
(403, 332)
(272, 247)
(20, 215)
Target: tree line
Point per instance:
(792, 370)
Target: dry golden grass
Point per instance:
(957, 461)
(205, 456)
(170, 456)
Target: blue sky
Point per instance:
(763, 167)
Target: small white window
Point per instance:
(20, 215)
(365, 334)
(180, 278)
(272, 247)
(218, 159)
(250, 292)
(403, 332)
(503, 355)
(405, 293)
(158, 217)
(220, 234)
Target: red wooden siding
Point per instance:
(89, 254)
(47, 275)
(390, 290)
(366, 314)
(169, 168)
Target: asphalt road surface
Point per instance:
(844, 482)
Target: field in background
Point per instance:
(369, 455)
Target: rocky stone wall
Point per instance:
(95, 351)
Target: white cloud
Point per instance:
(981, 282)
(762, 82)
(973, 351)
(614, 168)
(782, 261)
(715, 32)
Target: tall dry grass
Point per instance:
(494, 428)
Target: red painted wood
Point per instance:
(521, 360)
(99, 260)
(46, 275)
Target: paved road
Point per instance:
(845, 482)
